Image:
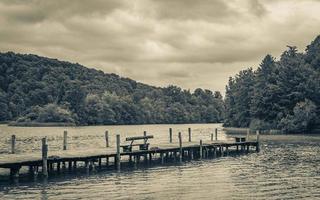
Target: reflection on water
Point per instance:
(286, 168)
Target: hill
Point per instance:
(40, 89)
(283, 94)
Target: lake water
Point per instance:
(288, 167)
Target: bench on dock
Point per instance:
(240, 139)
(142, 146)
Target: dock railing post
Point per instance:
(106, 136)
(145, 135)
(170, 135)
(44, 157)
(118, 152)
(248, 134)
(13, 144)
(65, 135)
(189, 131)
(258, 141)
(216, 133)
(180, 147)
(201, 151)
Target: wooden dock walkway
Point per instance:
(55, 161)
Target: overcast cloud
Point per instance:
(160, 42)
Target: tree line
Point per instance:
(281, 94)
(39, 89)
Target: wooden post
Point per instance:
(44, 157)
(14, 173)
(258, 141)
(162, 158)
(211, 136)
(13, 144)
(201, 149)
(170, 135)
(180, 147)
(65, 135)
(216, 133)
(145, 134)
(106, 136)
(118, 152)
(189, 131)
(248, 134)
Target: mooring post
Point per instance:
(44, 157)
(216, 133)
(201, 152)
(189, 131)
(145, 135)
(248, 134)
(106, 136)
(180, 147)
(258, 141)
(170, 135)
(13, 144)
(118, 152)
(65, 135)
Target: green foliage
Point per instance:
(302, 119)
(31, 85)
(281, 94)
(48, 113)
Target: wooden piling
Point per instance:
(145, 135)
(65, 135)
(44, 157)
(118, 152)
(216, 133)
(258, 141)
(211, 136)
(189, 131)
(180, 147)
(162, 158)
(106, 136)
(248, 134)
(201, 151)
(170, 135)
(13, 144)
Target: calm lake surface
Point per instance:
(288, 167)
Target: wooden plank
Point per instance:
(139, 137)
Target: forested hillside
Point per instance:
(40, 89)
(281, 94)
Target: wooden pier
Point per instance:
(51, 162)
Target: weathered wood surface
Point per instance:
(9, 160)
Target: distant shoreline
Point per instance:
(39, 124)
(57, 124)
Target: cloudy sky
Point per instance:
(188, 43)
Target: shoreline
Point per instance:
(57, 124)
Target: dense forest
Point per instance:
(281, 94)
(39, 89)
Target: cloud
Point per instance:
(185, 42)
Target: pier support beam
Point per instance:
(189, 131)
(201, 150)
(13, 144)
(106, 136)
(258, 141)
(216, 133)
(44, 157)
(14, 173)
(118, 152)
(65, 135)
(180, 146)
